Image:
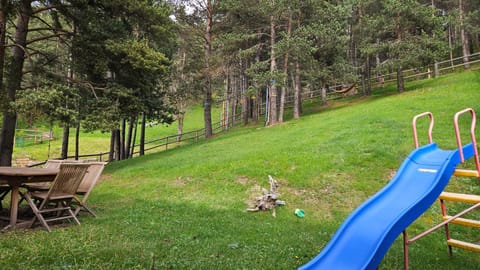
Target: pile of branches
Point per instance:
(269, 200)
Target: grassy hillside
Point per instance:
(185, 208)
(98, 142)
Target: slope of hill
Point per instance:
(327, 163)
(185, 208)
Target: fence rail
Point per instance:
(435, 70)
(171, 141)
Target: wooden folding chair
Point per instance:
(86, 186)
(89, 181)
(57, 199)
(44, 186)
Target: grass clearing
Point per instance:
(185, 208)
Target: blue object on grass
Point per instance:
(299, 213)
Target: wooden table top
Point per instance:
(26, 171)
(19, 175)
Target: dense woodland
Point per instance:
(111, 64)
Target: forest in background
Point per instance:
(109, 64)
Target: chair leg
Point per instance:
(37, 213)
(81, 205)
(84, 207)
(3, 193)
(73, 216)
(42, 221)
(89, 210)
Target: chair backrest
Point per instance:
(95, 169)
(91, 176)
(53, 163)
(68, 179)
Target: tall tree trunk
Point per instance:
(128, 142)
(122, 139)
(463, 35)
(7, 138)
(225, 111)
(324, 95)
(285, 73)
(476, 42)
(181, 107)
(297, 92)
(7, 134)
(450, 47)
(180, 118)
(77, 141)
(65, 137)
(142, 135)
(245, 99)
(233, 109)
(245, 106)
(111, 154)
(367, 89)
(118, 145)
(134, 137)
(272, 115)
(207, 105)
(3, 34)
(400, 81)
(257, 100)
(256, 106)
(181, 102)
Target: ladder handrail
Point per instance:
(472, 135)
(430, 128)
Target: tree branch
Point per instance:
(49, 7)
(59, 35)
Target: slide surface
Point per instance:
(366, 235)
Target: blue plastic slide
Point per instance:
(366, 235)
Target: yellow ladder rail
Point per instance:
(463, 245)
(460, 197)
(464, 221)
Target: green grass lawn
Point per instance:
(186, 208)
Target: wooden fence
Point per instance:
(435, 70)
(171, 141)
(25, 137)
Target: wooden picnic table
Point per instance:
(15, 177)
